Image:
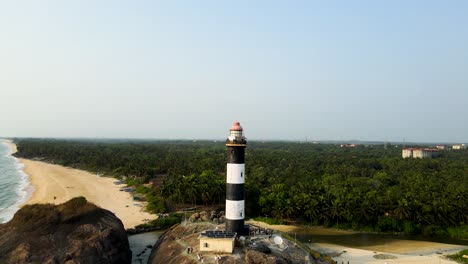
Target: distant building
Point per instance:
(459, 146)
(407, 153)
(419, 153)
(440, 147)
(348, 145)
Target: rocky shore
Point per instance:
(259, 248)
(73, 232)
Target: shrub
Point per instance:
(410, 228)
(131, 182)
(142, 189)
(433, 230)
(165, 222)
(459, 232)
(161, 223)
(386, 224)
(155, 204)
(458, 257)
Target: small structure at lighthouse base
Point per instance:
(217, 241)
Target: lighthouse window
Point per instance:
(242, 174)
(240, 214)
(205, 245)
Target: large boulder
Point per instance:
(74, 232)
(222, 219)
(195, 215)
(261, 247)
(203, 213)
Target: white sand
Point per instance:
(406, 251)
(57, 184)
(424, 256)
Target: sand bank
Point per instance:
(403, 251)
(430, 254)
(57, 184)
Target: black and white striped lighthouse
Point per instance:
(235, 178)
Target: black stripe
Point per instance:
(236, 155)
(235, 226)
(234, 192)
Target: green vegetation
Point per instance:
(268, 220)
(155, 203)
(366, 187)
(459, 256)
(161, 223)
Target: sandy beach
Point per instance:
(401, 251)
(57, 184)
(431, 254)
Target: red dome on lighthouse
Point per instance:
(236, 127)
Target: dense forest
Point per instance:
(365, 187)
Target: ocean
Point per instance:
(14, 184)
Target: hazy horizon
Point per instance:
(311, 141)
(363, 70)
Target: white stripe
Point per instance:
(234, 210)
(235, 173)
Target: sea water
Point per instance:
(14, 184)
(139, 245)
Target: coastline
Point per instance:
(11, 145)
(24, 189)
(405, 251)
(57, 184)
(49, 181)
(435, 254)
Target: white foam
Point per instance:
(10, 150)
(24, 189)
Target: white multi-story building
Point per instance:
(419, 153)
(407, 153)
(459, 146)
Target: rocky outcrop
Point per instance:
(74, 232)
(256, 257)
(203, 216)
(172, 247)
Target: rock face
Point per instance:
(256, 257)
(172, 248)
(74, 232)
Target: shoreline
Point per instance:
(11, 146)
(57, 184)
(405, 251)
(368, 256)
(24, 190)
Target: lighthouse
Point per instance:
(235, 179)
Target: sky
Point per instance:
(287, 70)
